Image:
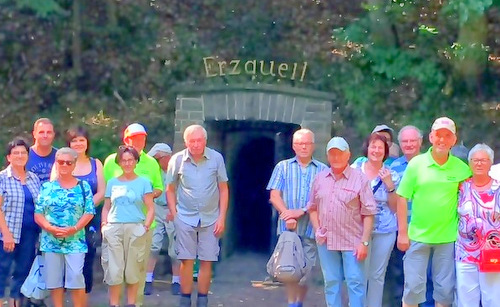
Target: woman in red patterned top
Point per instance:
(478, 228)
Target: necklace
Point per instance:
(19, 177)
(480, 186)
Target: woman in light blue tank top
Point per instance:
(88, 169)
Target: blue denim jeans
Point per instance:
(22, 257)
(337, 266)
(88, 269)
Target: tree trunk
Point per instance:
(380, 25)
(111, 11)
(472, 56)
(76, 46)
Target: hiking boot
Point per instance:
(175, 288)
(148, 288)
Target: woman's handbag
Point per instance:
(34, 285)
(489, 260)
(91, 235)
(489, 257)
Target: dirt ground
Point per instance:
(236, 284)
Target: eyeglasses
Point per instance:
(128, 161)
(65, 162)
(19, 153)
(480, 161)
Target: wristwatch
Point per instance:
(365, 243)
(304, 209)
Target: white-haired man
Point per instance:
(197, 197)
(290, 185)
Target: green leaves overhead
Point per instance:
(391, 61)
(467, 9)
(42, 8)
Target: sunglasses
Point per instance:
(65, 162)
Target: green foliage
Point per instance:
(134, 52)
(411, 82)
(468, 9)
(42, 9)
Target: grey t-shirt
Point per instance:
(197, 186)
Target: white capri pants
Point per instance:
(474, 286)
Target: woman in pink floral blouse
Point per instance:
(479, 228)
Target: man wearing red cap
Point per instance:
(135, 136)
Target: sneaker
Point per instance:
(148, 288)
(175, 288)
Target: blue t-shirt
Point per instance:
(126, 199)
(29, 210)
(64, 208)
(41, 166)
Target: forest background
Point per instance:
(106, 63)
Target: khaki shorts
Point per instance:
(123, 252)
(196, 241)
(163, 227)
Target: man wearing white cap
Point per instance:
(135, 136)
(162, 153)
(342, 209)
(431, 181)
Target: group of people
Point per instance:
(48, 200)
(442, 214)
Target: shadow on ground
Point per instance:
(238, 282)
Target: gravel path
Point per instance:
(236, 284)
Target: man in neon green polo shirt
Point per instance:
(431, 181)
(135, 136)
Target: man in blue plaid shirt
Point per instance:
(290, 186)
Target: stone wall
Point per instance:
(309, 109)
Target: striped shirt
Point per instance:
(295, 182)
(341, 204)
(12, 193)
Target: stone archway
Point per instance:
(257, 118)
(306, 108)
